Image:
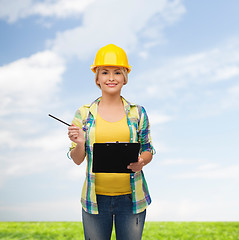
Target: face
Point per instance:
(110, 79)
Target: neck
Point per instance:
(110, 100)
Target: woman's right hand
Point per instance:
(76, 134)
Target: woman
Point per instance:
(107, 198)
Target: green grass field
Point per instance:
(152, 230)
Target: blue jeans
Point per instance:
(117, 209)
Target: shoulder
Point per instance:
(135, 111)
(82, 111)
(132, 107)
(139, 112)
(137, 108)
(131, 104)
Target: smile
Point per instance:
(111, 84)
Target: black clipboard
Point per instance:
(114, 157)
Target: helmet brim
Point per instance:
(93, 67)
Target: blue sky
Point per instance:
(185, 67)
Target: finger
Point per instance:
(73, 128)
(135, 163)
(132, 166)
(70, 134)
(134, 169)
(73, 132)
(136, 166)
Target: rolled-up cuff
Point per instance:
(69, 154)
(147, 147)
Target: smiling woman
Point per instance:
(107, 198)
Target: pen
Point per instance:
(59, 120)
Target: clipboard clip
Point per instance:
(117, 142)
(125, 144)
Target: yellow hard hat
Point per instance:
(111, 55)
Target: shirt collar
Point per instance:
(94, 105)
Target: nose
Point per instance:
(111, 77)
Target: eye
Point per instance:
(104, 72)
(118, 73)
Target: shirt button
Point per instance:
(133, 190)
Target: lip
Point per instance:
(111, 84)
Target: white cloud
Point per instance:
(61, 8)
(201, 169)
(179, 161)
(160, 210)
(14, 10)
(28, 152)
(159, 146)
(59, 210)
(194, 70)
(53, 140)
(27, 86)
(181, 210)
(193, 81)
(157, 118)
(77, 173)
(29, 83)
(190, 210)
(231, 98)
(103, 23)
(208, 166)
(33, 154)
(211, 171)
(227, 72)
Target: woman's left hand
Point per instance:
(137, 166)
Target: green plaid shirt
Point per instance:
(138, 123)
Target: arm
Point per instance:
(76, 135)
(144, 138)
(146, 157)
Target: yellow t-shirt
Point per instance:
(112, 184)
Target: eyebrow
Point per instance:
(104, 69)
